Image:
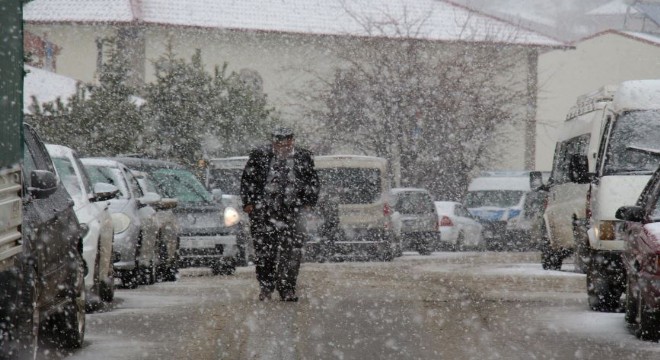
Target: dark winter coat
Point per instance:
(255, 174)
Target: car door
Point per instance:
(473, 227)
(53, 232)
(148, 220)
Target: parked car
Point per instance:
(415, 219)
(208, 229)
(458, 228)
(91, 208)
(641, 258)
(168, 229)
(51, 265)
(134, 222)
(499, 200)
(359, 185)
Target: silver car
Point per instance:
(168, 230)
(134, 222)
(415, 219)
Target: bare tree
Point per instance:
(430, 108)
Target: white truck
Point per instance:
(605, 157)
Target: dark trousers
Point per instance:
(278, 254)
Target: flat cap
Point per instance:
(281, 133)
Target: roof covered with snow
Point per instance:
(46, 86)
(615, 7)
(634, 35)
(436, 20)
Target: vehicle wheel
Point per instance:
(460, 242)
(148, 274)
(222, 269)
(602, 296)
(550, 259)
(649, 322)
(68, 327)
(631, 305)
(128, 279)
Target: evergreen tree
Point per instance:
(101, 120)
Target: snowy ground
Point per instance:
(443, 306)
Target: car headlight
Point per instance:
(231, 216)
(120, 222)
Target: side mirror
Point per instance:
(167, 203)
(104, 191)
(535, 180)
(217, 195)
(630, 213)
(578, 169)
(150, 198)
(43, 184)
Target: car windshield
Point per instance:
(181, 184)
(227, 180)
(494, 198)
(351, 185)
(67, 174)
(634, 144)
(108, 175)
(413, 203)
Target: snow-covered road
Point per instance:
(444, 306)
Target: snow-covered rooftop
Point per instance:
(615, 7)
(46, 86)
(437, 20)
(639, 36)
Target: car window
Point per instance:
(28, 163)
(414, 203)
(133, 184)
(494, 198)
(110, 176)
(67, 174)
(181, 184)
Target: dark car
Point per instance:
(641, 258)
(50, 268)
(209, 230)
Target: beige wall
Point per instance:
(288, 63)
(566, 74)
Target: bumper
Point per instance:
(449, 234)
(124, 248)
(415, 240)
(208, 250)
(90, 249)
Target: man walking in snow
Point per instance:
(278, 181)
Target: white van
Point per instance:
(507, 203)
(359, 186)
(605, 157)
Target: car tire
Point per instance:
(128, 279)
(219, 268)
(148, 274)
(460, 242)
(550, 259)
(649, 322)
(602, 297)
(68, 327)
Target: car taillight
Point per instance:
(387, 210)
(446, 221)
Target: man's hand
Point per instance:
(248, 208)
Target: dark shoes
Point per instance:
(263, 295)
(289, 296)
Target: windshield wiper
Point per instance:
(644, 149)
